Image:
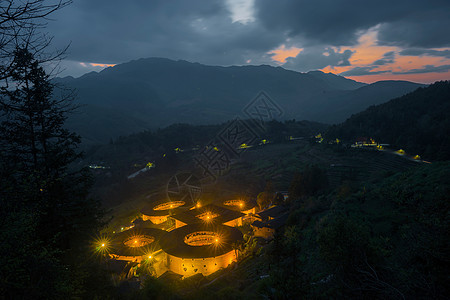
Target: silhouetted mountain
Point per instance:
(340, 105)
(418, 122)
(156, 92)
(336, 81)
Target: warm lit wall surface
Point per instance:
(191, 266)
(179, 224)
(250, 219)
(250, 211)
(234, 223)
(155, 219)
(126, 258)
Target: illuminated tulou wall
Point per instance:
(155, 219)
(163, 210)
(137, 258)
(191, 266)
(179, 224)
(169, 205)
(201, 238)
(240, 204)
(249, 211)
(138, 241)
(234, 223)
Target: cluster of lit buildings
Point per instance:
(188, 239)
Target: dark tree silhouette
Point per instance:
(46, 217)
(44, 199)
(20, 22)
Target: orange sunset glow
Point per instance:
(419, 78)
(102, 65)
(367, 51)
(282, 53)
(86, 65)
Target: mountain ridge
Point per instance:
(417, 122)
(157, 92)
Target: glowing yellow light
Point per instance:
(207, 217)
(198, 204)
(101, 244)
(149, 256)
(135, 241)
(241, 204)
(217, 240)
(121, 228)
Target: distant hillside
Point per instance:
(157, 92)
(336, 81)
(342, 105)
(148, 145)
(418, 122)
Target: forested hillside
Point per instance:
(418, 122)
(377, 240)
(155, 92)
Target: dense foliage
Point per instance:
(47, 220)
(382, 240)
(309, 182)
(418, 122)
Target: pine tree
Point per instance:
(39, 180)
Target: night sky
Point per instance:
(363, 40)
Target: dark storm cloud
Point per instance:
(414, 22)
(427, 69)
(388, 58)
(117, 31)
(428, 52)
(317, 58)
(361, 71)
(427, 27)
(112, 31)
